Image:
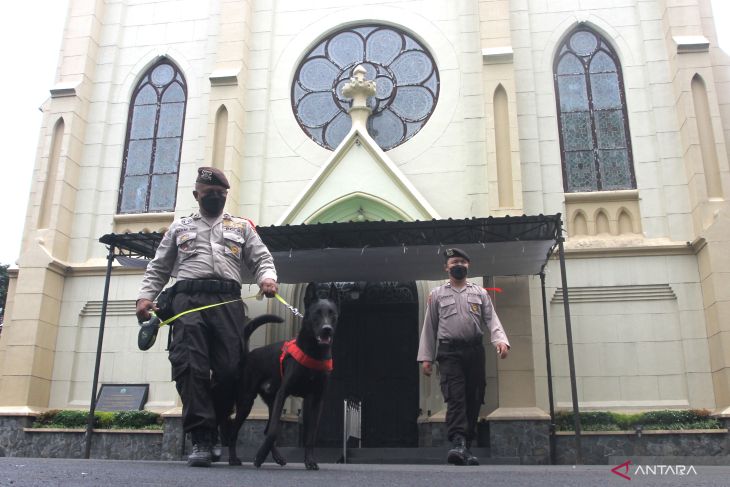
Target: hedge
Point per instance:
(651, 420)
(102, 420)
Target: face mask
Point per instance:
(212, 204)
(458, 272)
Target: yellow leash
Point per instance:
(170, 320)
(148, 331)
(291, 308)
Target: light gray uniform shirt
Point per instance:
(460, 314)
(196, 247)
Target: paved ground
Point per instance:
(22, 472)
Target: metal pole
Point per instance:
(549, 370)
(571, 359)
(95, 383)
(344, 434)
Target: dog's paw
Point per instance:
(234, 462)
(311, 465)
(278, 458)
(258, 460)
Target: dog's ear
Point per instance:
(334, 295)
(310, 294)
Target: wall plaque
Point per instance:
(122, 397)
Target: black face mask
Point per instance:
(458, 272)
(213, 204)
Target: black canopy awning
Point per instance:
(383, 251)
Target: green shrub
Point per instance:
(46, 418)
(650, 420)
(102, 419)
(70, 419)
(135, 419)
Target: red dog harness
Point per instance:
(291, 348)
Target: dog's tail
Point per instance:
(252, 325)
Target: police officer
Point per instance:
(207, 252)
(458, 314)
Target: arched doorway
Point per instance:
(374, 356)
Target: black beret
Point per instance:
(454, 252)
(212, 176)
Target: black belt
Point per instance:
(210, 286)
(458, 343)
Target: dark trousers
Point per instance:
(462, 369)
(205, 356)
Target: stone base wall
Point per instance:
(12, 436)
(527, 441)
(599, 448)
(518, 442)
(17, 439)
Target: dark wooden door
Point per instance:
(374, 357)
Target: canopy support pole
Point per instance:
(571, 358)
(549, 370)
(95, 383)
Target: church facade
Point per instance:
(614, 113)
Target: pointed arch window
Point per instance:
(154, 141)
(595, 142)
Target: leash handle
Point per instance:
(291, 308)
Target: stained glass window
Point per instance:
(406, 78)
(154, 141)
(592, 122)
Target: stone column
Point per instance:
(29, 338)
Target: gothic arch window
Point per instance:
(595, 142)
(154, 141)
(405, 74)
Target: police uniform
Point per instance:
(208, 256)
(456, 320)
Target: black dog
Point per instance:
(224, 402)
(300, 368)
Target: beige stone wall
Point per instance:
(638, 332)
(241, 55)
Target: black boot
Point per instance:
(200, 456)
(470, 458)
(216, 450)
(457, 453)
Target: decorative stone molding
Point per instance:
(688, 44)
(359, 89)
(648, 292)
(497, 55)
(125, 307)
(603, 213)
(62, 90)
(224, 77)
(143, 222)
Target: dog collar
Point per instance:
(291, 348)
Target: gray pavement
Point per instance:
(22, 472)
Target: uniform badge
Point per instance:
(235, 249)
(206, 175)
(474, 307)
(186, 220)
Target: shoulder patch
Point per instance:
(250, 222)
